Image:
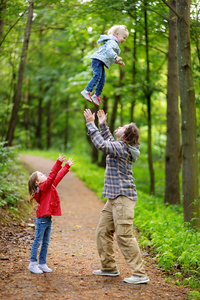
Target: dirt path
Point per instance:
(72, 255)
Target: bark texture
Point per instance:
(172, 157)
(148, 97)
(189, 123)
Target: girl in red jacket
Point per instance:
(43, 190)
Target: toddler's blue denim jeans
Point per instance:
(42, 234)
(99, 77)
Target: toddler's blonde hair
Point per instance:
(116, 28)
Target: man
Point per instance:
(118, 212)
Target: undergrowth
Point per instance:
(13, 182)
(176, 246)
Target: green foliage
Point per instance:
(194, 295)
(12, 182)
(176, 245)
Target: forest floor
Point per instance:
(72, 254)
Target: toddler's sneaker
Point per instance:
(136, 279)
(87, 95)
(96, 99)
(33, 267)
(44, 268)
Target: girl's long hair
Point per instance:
(32, 188)
(131, 135)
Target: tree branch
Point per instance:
(164, 17)
(3, 39)
(170, 7)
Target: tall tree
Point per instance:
(172, 155)
(41, 93)
(94, 151)
(148, 93)
(18, 90)
(133, 75)
(2, 18)
(134, 16)
(117, 98)
(66, 134)
(191, 201)
(195, 28)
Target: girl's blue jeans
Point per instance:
(42, 234)
(99, 77)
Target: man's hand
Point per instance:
(89, 117)
(102, 117)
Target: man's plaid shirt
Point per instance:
(118, 175)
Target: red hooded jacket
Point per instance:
(47, 196)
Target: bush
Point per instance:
(176, 245)
(12, 181)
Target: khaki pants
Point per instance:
(117, 216)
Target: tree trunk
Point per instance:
(39, 123)
(49, 123)
(172, 156)
(17, 94)
(103, 157)
(150, 156)
(113, 115)
(105, 103)
(148, 96)
(133, 78)
(40, 96)
(116, 101)
(2, 19)
(111, 125)
(196, 34)
(114, 112)
(189, 123)
(26, 116)
(94, 150)
(66, 134)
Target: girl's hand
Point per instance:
(70, 161)
(89, 117)
(102, 117)
(61, 157)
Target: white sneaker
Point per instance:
(33, 267)
(105, 273)
(95, 99)
(44, 268)
(136, 279)
(87, 95)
